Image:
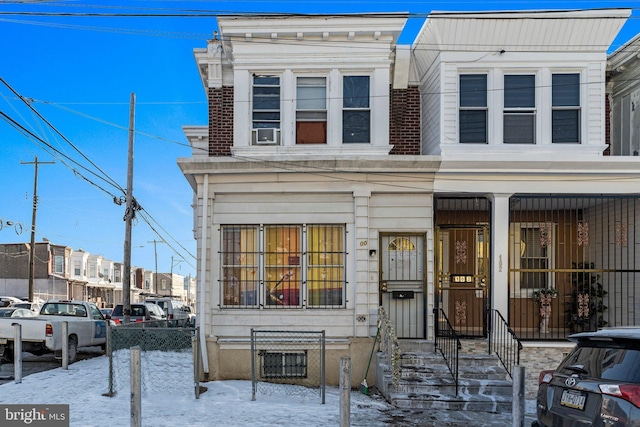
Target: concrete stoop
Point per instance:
(425, 382)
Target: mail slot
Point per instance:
(402, 294)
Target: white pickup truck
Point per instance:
(42, 334)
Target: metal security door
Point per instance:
(462, 264)
(402, 282)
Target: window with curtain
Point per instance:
(311, 110)
(283, 266)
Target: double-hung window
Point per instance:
(59, 264)
(519, 118)
(356, 112)
(266, 110)
(311, 110)
(473, 108)
(565, 112)
(283, 266)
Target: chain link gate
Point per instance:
(170, 358)
(288, 357)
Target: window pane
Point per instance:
(519, 91)
(282, 270)
(355, 92)
(312, 93)
(355, 126)
(473, 126)
(566, 125)
(239, 256)
(566, 90)
(519, 128)
(266, 102)
(473, 90)
(325, 274)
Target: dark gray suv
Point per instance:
(597, 384)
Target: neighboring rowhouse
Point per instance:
(340, 172)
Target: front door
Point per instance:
(402, 282)
(462, 271)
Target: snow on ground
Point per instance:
(225, 403)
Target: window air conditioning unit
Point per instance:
(265, 136)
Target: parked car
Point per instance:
(140, 312)
(6, 301)
(175, 310)
(16, 312)
(191, 321)
(33, 306)
(597, 383)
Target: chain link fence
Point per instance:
(288, 357)
(169, 359)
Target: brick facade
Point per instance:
(404, 121)
(220, 121)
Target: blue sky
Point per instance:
(78, 72)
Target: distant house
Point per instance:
(51, 270)
(459, 176)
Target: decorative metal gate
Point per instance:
(574, 264)
(402, 282)
(462, 264)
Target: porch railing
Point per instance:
(503, 341)
(389, 346)
(447, 343)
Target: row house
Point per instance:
(63, 273)
(51, 271)
(461, 175)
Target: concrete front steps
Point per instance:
(425, 381)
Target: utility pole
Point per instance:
(155, 254)
(128, 216)
(32, 248)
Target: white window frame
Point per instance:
(486, 108)
(58, 261)
(578, 108)
(524, 111)
(368, 109)
(318, 111)
(254, 134)
(517, 249)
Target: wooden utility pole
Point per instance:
(32, 248)
(128, 217)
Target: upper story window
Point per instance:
(356, 113)
(92, 270)
(266, 110)
(77, 267)
(473, 108)
(116, 275)
(311, 110)
(59, 264)
(565, 101)
(519, 118)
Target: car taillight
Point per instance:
(545, 377)
(49, 330)
(628, 392)
(117, 321)
(171, 317)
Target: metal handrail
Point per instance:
(447, 343)
(508, 346)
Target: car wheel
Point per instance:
(7, 355)
(73, 349)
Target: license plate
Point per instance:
(573, 399)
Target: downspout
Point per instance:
(202, 274)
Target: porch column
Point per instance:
(500, 253)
